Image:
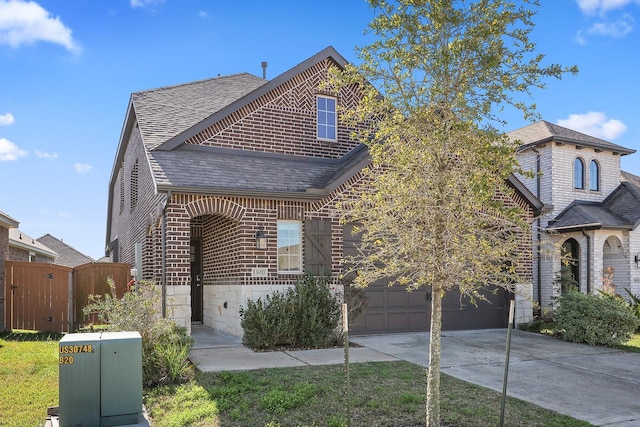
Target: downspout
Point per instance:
(164, 255)
(585, 234)
(538, 234)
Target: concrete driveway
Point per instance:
(596, 384)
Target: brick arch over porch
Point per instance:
(213, 205)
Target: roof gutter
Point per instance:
(310, 194)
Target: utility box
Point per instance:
(100, 379)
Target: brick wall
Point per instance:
(4, 256)
(18, 254)
(283, 121)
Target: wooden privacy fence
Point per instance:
(50, 297)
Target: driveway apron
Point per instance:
(595, 384)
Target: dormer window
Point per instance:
(326, 118)
(594, 176)
(578, 174)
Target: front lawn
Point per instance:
(382, 393)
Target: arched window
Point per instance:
(570, 265)
(594, 176)
(578, 174)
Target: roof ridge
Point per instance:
(158, 89)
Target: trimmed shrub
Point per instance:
(165, 346)
(305, 316)
(595, 320)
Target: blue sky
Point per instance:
(67, 69)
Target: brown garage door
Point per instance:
(394, 310)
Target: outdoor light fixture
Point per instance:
(261, 239)
(637, 260)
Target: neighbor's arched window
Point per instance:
(578, 174)
(594, 176)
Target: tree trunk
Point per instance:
(433, 374)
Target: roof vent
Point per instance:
(263, 64)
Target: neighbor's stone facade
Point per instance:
(556, 190)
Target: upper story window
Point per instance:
(289, 246)
(594, 176)
(326, 118)
(578, 174)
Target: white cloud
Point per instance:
(592, 7)
(10, 151)
(203, 14)
(43, 155)
(82, 167)
(619, 28)
(7, 119)
(145, 3)
(26, 22)
(594, 123)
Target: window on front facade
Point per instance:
(578, 174)
(594, 176)
(326, 118)
(289, 247)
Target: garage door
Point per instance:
(394, 310)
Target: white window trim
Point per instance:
(336, 118)
(299, 270)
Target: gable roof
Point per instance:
(166, 112)
(67, 255)
(241, 101)
(543, 132)
(620, 210)
(20, 240)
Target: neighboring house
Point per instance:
(25, 248)
(225, 189)
(67, 256)
(6, 223)
(593, 210)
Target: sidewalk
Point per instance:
(214, 352)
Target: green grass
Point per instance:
(633, 344)
(28, 377)
(382, 393)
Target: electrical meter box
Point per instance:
(100, 379)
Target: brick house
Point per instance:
(593, 210)
(66, 255)
(23, 247)
(225, 189)
(6, 223)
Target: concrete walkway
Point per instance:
(214, 352)
(595, 384)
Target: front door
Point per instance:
(196, 281)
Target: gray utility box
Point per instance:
(100, 379)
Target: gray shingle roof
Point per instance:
(165, 112)
(67, 255)
(588, 215)
(543, 131)
(620, 210)
(215, 170)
